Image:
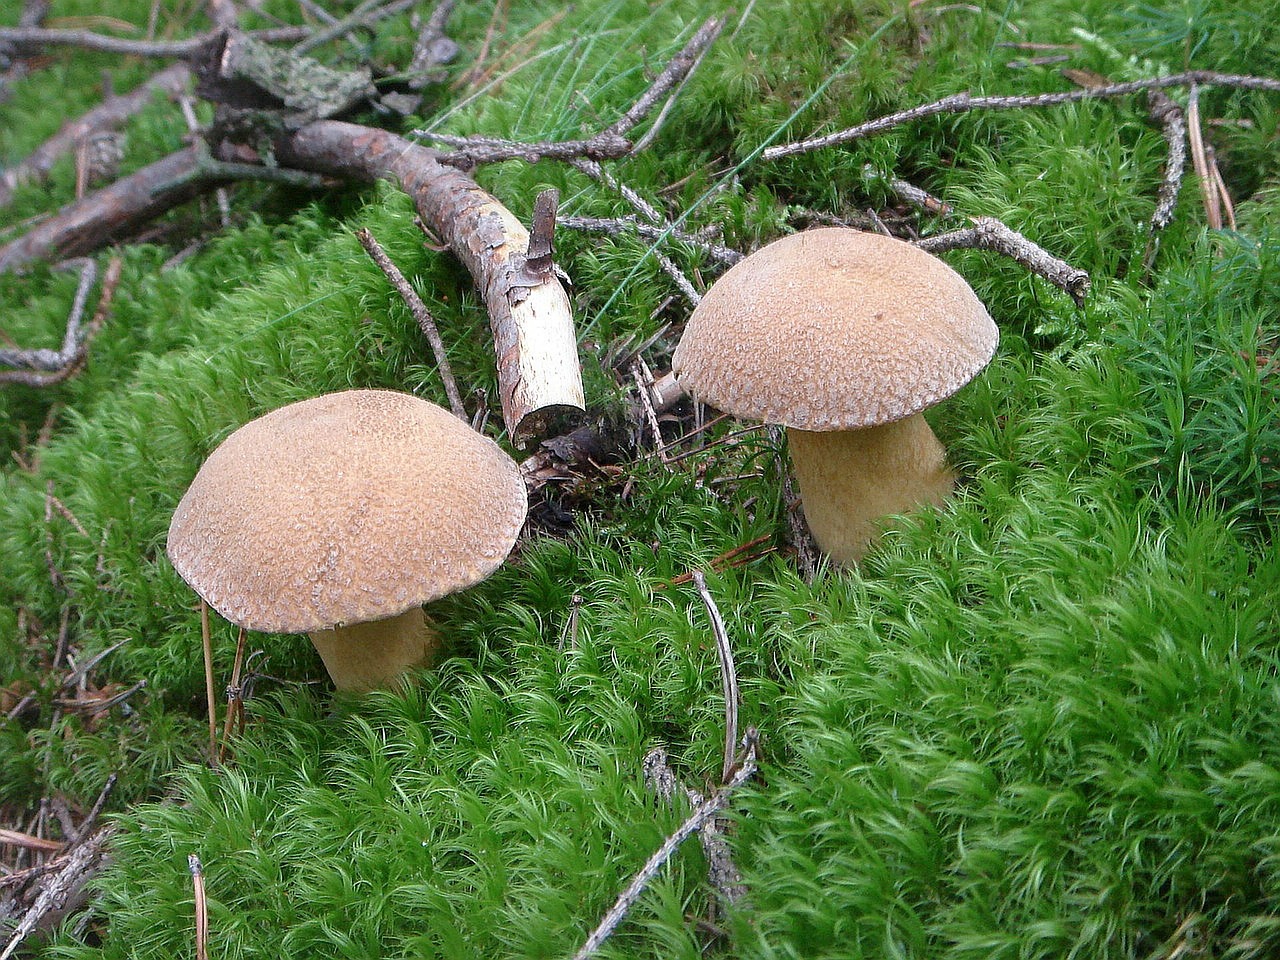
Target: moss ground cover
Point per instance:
(1039, 722)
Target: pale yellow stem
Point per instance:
(850, 480)
(363, 656)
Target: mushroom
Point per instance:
(340, 516)
(843, 337)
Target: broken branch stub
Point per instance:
(539, 377)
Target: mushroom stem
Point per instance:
(364, 656)
(850, 480)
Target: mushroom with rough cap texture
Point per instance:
(843, 337)
(340, 516)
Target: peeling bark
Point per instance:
(531, 318)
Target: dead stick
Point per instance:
(611, 142)
(36, 38)
(987, 233)
(962, 102)
(207, 642)
(201, 906)
(420, 313)
(63, 891)
(531, 319)
(108, 115)
(86, 225)
(701, 814)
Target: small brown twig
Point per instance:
(733, 557)
(1166, 112)
(26, 39)
(728, 674)
(201, 906)
(108, 115)
(235, 695)
(206, 640)
(366, 14)
(39, 366)
(701, 814)
(988, 233)
(621, 226)
(918, 197)
(611, 143)
(963, 102)
(421, 314)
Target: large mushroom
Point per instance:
(340, 516)
(843, 337)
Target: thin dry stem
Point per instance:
(207, 645)
(988, 233)
(201, 906)
(701, 814)
(421, 314)
(963, 102)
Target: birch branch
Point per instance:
(532, 322)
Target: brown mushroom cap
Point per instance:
(834, 329)
(349, 507)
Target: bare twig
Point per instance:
(420, 313)
(16, 838)
(721, 870)
(962, 102)
(36, 38)
(621, 226)
(1166, 111)
(987, 233)
(40, 360)
(108, 115)
(643, 377)
(207, 643)
(728, 675)
(610, 143)
(366, 14)
(201, 906)
(702, 813)
(62, 888)
(918, 197)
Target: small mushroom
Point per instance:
(843, 337)
(340, 516)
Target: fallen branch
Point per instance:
(702, 813)
(108, 115)
(426, 323)
(988, 233)
(532, 322)
(963, 102)
(30, 39)
(610, 143)
(84, 226)
(43, 368)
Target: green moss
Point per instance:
(1038, 721)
